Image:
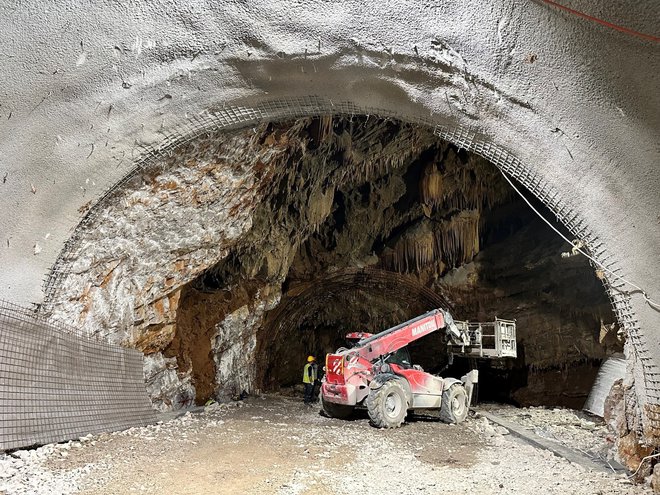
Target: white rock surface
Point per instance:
(168, 388)
(234, 346)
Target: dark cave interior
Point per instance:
(370, 222)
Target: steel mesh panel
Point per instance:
(57, 384)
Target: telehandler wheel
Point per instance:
(339, 411)
(454, 408)
(387, 405)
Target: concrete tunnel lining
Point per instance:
(409, 85)
(509, 118)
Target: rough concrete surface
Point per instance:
(154, 66)
(278, 445)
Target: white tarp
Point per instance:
(612, 369)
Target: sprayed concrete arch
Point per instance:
(239, 117)
(563, 106)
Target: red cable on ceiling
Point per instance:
(604, 23)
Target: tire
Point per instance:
(387, 405)
(454, 408)
(339, 411)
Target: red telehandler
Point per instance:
(376, 373)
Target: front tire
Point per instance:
(387, 405)
(454, 407)
(339, 411)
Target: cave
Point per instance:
(364, 223)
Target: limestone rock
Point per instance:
(631, 452)
(655, 479)
(614, 410)
(155, 338)
(169, 387)
(234, 347)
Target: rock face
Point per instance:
(270, 244)
(585, 130)
(630, 450)
(165, 226)
(169, 386)
(234, 347)
(436, 220)
(655, 480)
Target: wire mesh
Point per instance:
(56, 383)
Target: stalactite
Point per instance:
(325, 129)
(319, 207)
(431, 186)
(414, 250)
(457, 239)
(472, 185)
(452, 242)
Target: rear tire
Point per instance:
(454, 408)
(387, 405)
(339, 411)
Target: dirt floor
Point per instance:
(275, 444)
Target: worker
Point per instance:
(309, 377)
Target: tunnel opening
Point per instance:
(368, 222)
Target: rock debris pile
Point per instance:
(26, 472)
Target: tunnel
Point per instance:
(375, 222)
(229, 188)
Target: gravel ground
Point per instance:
(277, 445)
(575, 429)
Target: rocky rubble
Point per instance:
(272, 444)
(574, 429)
(25, 472)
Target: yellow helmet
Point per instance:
(310, 359)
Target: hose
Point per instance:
(602, 22)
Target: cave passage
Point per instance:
(369, 222)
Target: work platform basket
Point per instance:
(490, 340)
